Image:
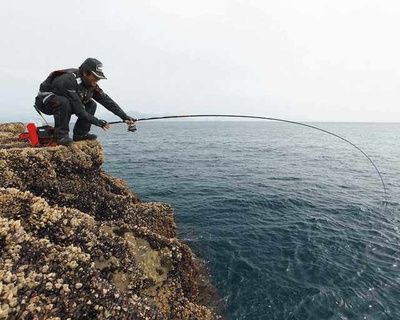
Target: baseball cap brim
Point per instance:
(99, 74)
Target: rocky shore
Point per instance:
(76, 243)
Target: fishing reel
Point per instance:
(132, 127)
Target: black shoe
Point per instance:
(89, 136)
(64, 141)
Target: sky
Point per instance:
(309, 60)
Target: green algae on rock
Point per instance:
(76, 243)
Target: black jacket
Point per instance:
(68, 83)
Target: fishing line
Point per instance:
(272, 119)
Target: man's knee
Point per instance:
(63, 103)
(58, 104)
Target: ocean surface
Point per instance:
(290, 221)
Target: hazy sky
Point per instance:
(329, 60)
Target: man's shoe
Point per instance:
(89, 136)
(64, 141)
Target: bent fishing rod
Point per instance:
(132, 128)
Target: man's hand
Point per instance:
(104, 125)
(130, 120)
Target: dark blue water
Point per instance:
(289, 220)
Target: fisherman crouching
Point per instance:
(74, 91)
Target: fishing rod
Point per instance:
(132, 128)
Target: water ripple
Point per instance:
(289, 221)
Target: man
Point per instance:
(73, 91)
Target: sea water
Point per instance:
(290, 221)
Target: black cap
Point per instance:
(94, 66)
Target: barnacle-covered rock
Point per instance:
(77, 243)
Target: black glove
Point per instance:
(102, 123)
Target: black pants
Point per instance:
(62, 110)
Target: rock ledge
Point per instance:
(76, 243)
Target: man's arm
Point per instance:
(101, 97)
